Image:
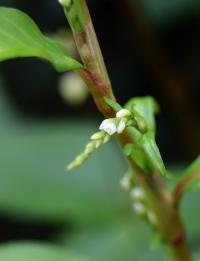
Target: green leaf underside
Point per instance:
(21, 37)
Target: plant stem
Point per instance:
(95, 73)
(96, 77)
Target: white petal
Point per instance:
(137, 193)
(123, 113)
(121, 127)
(103, 124)
(108, 126)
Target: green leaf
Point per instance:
(146, 153)
(137, 152)
(21, 37)
(145, 107)
(152, 152)
(125, 240)
(141, 159)
(32, 251)
(113, 104)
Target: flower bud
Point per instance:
(142, 125)
(97, 136)
(123, 113)
(106, 138)
(97, 144)
(89, 148)
(125, 182)
(137, 193)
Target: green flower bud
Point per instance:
(98, 135)
(142, 125)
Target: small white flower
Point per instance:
(121, 126)
(108, 126)
(123, 113)
(125, 182)
(65, 2)
(139, 208)
(137, 193)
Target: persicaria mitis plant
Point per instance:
(133, 123)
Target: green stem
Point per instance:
(95, 74)
(96, 77)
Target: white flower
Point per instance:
(125, 182)
(65, 2)
(139, 208)
(137, 193)
(108, 126)
(123, 113)
(121, 126)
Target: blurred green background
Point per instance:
(150, 47)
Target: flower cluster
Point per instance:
(138, 197)
(96, 140)
(116, 125)
(107, 128)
